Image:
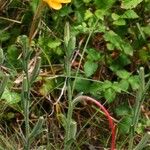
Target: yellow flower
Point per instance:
(56, 4)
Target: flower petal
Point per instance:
(53, 4)
(62, 1)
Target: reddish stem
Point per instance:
(111, 123)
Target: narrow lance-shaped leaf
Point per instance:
(37, 129)
(143, 142)
(3, 84)
(66, 34)
(36, 70)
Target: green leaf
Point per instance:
(109, 95)
(110, 46)
(119, 22)
(34, 5)
(106, 84)
(53, 43)
(37, 129)
(3, 84)
(115, 16)
(144, 55)
(103, 4)
(96, 89)
(120, 44)
(144, 142)
(116, 87)
(90, 67)
(93, 55)
(86, 1)
(134, 82)
(100, 13)
(12, 55)
(4, 36)
(47, 86)
(124, 85)
(11, 97)
(82, 85)
(129, 4)
(120, 63)
(71, 45)
(130, 14)
(124, 125)
(122, 110)
(88, 14)
(2, 57)
(123, 74)
(127, 48)
(146, 30)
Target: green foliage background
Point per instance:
(118, 46)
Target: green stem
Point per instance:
(139, 101)
(70, 109)
(82, 55)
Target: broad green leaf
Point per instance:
(129, 14)
(144, 55)
(47, 86)
(109, 95)
(12, 55)
(88, 14)
(4, 36)
(122, 110)
(115, 16)
(146, 30)
(90, 67)
(127, 48)
(134, 82)
(103, 4)
(53, 43)
(119, 22)
(116, 87)
(100, 13)
(117, 41)
(64, 11)
(110, 46)
(124, 124)
(124, 85)
(10, 97)
(120, 63)
(106, 84)
(96, 89)
(93, 55)
(129, 4)
(123, 74)
(82, 85)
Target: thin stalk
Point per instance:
(139, 101)
(110, 120)
(83, 52)
(35, 21)
(67, 38)
(70, 110)
(26, 104)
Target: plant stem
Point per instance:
(35, 21)
(70, 110)
(139, 101)
(111, 124)
(83, 52)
